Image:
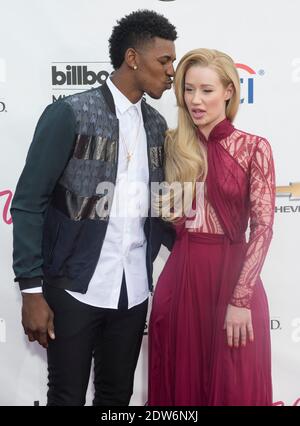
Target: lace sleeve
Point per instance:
(262, 204)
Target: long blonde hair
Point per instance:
(185, 157)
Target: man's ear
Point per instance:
(131, 58)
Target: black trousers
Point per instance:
(112, 337)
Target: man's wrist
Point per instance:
(34, 290)
(30, 283)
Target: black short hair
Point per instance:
(136, 28)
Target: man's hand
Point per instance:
(238, 324)
(37, 318)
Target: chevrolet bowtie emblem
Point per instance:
(292, 191)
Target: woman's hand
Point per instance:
(238, 324)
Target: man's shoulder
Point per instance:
(84, 100)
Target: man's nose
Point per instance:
(170, 70)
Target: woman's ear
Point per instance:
(229, 92)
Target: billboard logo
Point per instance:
(77, 76)
(2, 331)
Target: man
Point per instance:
(85, 275)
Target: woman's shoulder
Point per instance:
(251, 139)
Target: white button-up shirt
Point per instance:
(124, 246)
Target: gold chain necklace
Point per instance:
(129, 153)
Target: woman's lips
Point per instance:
(198, 113)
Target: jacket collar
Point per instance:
(108, 97)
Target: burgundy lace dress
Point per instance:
(210, 267)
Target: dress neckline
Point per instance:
(221, 131)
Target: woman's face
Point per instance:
(205, 97)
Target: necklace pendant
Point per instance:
(128, 157)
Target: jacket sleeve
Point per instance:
(168, 234)
(165, 230)
(162, 233)
(47, 157)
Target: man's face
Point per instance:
(155, 67)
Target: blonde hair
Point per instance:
(185, 156)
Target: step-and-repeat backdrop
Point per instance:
(43, 43)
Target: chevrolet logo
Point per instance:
(292, 191)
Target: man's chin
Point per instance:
(156, 95)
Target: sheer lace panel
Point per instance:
(262, 204)
(240, 146)
(254, 155)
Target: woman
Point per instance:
(209, 327)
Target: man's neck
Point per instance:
(124, 83)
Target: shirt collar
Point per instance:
(122, 103)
